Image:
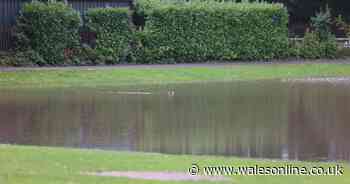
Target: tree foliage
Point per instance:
(304, 9)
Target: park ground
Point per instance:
(129, 75)
(42, 165)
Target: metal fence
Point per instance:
(8, 12)
(9, 9)
(83, 5)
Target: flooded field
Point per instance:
(296, 120)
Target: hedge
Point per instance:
(113, 30)
(197, 31)
(174, 31)
(51, 30)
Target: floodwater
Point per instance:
(296, 120)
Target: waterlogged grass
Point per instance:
(41, 165)
(124, 76)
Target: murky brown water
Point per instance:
(266, 119)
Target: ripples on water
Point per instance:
(264, 119)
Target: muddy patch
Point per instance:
(160, 176)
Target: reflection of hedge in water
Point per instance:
(256, 119)
(198, 120)
(319, 116)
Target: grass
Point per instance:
(111, 77)
(34, 165)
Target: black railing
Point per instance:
(9, 9)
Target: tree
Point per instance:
(302, 10)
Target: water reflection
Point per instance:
(265, 119)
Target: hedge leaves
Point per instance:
(113, 32)
(51, 30)
(197, 31)
(173, 31)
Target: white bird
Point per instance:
(171, 93)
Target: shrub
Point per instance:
(312, 47)
(330, 47)
(294, 48)
(6, 58)
(344, 52)
(320, 42)
(321, 23)
(341, 24)
(49, 29)
(195, 31)
(113, 30)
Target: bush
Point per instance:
(196, 31)
(342, 25)
(321, 23)
(6, 59)
(320, 42)
(312, 47)
(113, 29)
(330, 47)
(344, 52)
(49, 29)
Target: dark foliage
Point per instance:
(48, 31)
(199, 31)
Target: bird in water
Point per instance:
(171, 93)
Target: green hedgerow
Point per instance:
(197, 31)
(49, 29)
(113, 30)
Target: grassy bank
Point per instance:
(121, 76)
(34, 165)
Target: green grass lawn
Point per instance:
(111, 77)
(34, 165)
